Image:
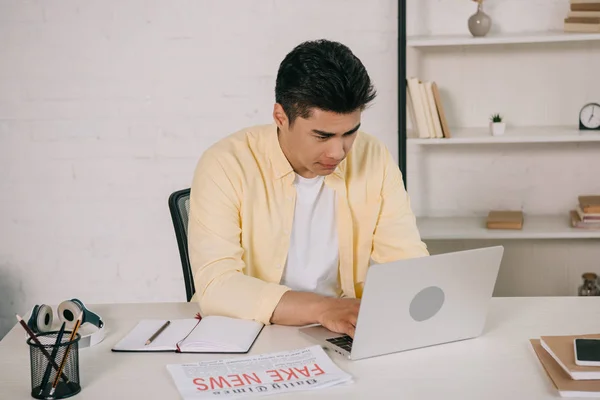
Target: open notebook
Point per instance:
(211, 334)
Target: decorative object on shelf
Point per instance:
(589, 287)
(505, 219)
(479, 23)
(497, 125)
(589, 117)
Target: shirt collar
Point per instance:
(280, 163)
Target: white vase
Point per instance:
(497, 128)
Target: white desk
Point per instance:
(498, 365)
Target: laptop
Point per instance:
(418, 302)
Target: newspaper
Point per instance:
(264, 374)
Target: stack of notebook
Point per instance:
(587, 213)
(557, 356)
(583, 16)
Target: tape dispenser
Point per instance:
(42, 318)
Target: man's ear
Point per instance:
(280, 117)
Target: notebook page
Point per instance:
(136, 339)
(222, 334)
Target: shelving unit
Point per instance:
(503, 38)
(534, 227)
(456, 227)
(535, 134)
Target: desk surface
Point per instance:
(500, 364)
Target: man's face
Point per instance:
(315, 146)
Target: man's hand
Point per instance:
(340, 315)
(301, 308)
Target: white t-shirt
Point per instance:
(312, 261)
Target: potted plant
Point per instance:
(497, 125)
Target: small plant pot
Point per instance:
(497, 128)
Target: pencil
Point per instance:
(158, 332)
(42, 348)
(64, 360)
(61, 332)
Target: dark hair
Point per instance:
(325, 75)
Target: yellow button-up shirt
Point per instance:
(242, 209)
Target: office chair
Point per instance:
(179, 206)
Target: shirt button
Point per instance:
(279, 266)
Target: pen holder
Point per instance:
(43, 373)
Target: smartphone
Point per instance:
(587, 352)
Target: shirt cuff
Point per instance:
(269, 299)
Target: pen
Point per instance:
(158, 332)
(41, 347)
(64, 360)
(53, 356)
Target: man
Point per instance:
(285, 218)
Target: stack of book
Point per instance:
(425, 109)
(587, 213)
(557, 356)
(583, 16)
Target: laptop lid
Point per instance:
(425, 301)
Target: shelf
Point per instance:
(534, 227)
(501, 38)
(540, 134)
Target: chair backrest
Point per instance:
(179, 206)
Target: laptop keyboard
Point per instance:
(345, 342)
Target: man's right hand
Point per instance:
(340, 315)
(303, 308)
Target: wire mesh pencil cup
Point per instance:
(43, 372)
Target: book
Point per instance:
(440, 108)
(499, 219)
(578, 222)
(411, 113)
(566, 387)
(587, 217)
(585, 6)
(590, 204)
(583, 20)
(581, 27)
(418, 104)
(561, 349)
(427, 108)
(211, 334)
(435, 116)
(586, 14)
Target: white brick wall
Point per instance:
(105, 106)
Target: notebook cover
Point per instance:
(560, 379)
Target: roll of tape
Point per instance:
(44, 318)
